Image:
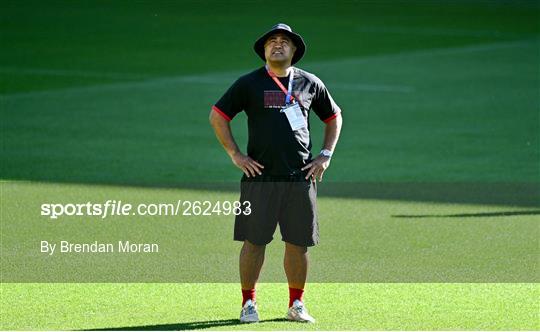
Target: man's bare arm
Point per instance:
(331, 135)
(223, 132)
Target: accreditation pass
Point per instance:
(295, 116)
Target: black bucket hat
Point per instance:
(284, 28)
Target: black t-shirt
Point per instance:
(272, 142)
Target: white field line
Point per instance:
(69, 73)
(527, 43)
(219, 79)
(434, 31)
(228, 77)
(370, 87)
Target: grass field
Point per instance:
(336, 306)
(429, 211)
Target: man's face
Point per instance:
(279, 48)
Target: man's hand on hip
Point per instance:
(249, 166)
(317, 167)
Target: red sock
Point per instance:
(295, 294)
(248, 294)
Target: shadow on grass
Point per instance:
(186, 326)
(471, 215)
(519, 194)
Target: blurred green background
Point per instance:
(119, 92)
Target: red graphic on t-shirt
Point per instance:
(276, 98)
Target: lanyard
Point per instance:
(287, 91)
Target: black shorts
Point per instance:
(289, 202)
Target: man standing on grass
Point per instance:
(280, 174)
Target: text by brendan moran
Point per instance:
(127, 247)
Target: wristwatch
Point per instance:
(326, 153)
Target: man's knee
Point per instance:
(293, 248)
(253, 248)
